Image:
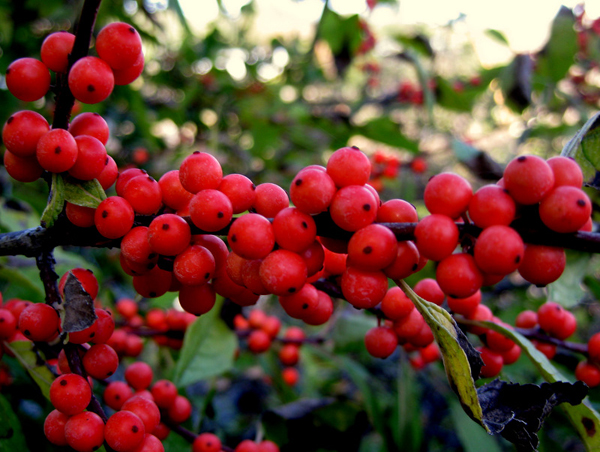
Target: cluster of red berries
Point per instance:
(32, 145)
(261, 330)
(385, 165)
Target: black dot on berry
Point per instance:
(131, 30)
(135, 429)
(151, 255)
(104, 213)
(206, 275)
(152, 294)
(9, 120)
(109, 373)
(292, 290)
(220, 215)
(63, 382)
(305, 306)
(521, 159)
(366, 207)
(581, 203)
(414, 267)
(368, 249)
(8, 71)
(57, 150)
(298, 182)
(91, 88)
(196, 152)
(253, 187)
(106, 161)
(233, 238)
(27, 333)
(165, 226)
(355, 147)
(150, 265)
(518, 259)
(453, 296)
(305, 225)
(2, 320)
(117, 397)
(92, 335)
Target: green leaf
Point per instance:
(461, 361)
(497, 35)
(583, 417)
(419, 42)
(208, 349)
(11, 435)
(22, 285)
(568, 289)
(584, 147)
(36, 367)
(386, 131)
(83, 193)
(56, 201)
(557, 56)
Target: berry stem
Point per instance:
(83, 37)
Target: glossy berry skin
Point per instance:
(565, 209)
(251, 236)
(566, 171)
(373, 247)
(381, 341)
(294, 230)
(436, 237)
(429, 289)
(290, 376)
(54, 428)
(135, 246)
(409, 327)
(194, 265)
(594, 347)
(139, 375)
(200, 171)
(528, 179)
(397, 211)
(8, 324)
(180, 410)
(80, 216)
(70, 394)
(395, 304)
(493, 363)
(259, 341)
(144, 194)
(174, 195)
(116, 393)
(297, 304)
(542, 264)
(491, 205)
(124, 431)
(458, 275)
(283, 272)
(55, 50)
(247, 445)
(269, 199)
(210, 210)
(353, 207)
(114, 217)
(526, 319)
(169, 234)
(109, 174)
(84, 432)
(130, 73)
(91, 80)
(588, 372)
(206, 442)
(119, 44)
(363, 288)
(240, 190)
(22, 131)
(91, 124)
(27, 79)
(39, 322)
(321, 313)
(22, 169)
(145, 409)
(91, 158)
(312, 191)
(85, 277)
(100, 361)
(465, 306)
(555, 320)
(57, 151)
(198, 299)
(447, 194)
(499, 250)
(164, 393)
(349, 166)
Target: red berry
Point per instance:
(381, 341)
(353, 207)
(80, 216)
(395, 304)
(169, 234)
(251, 236)
(198, 299)
(283, 272)
(447, 194)
(458, 275)
(180, 410)
(114, 217)
(22, 169)
(119, 44)
(397, 211)
(57, 151)
(542, 264)
(144, 194)
(145, 409)
(174, 195)
(27, 79)
(565, 209)
(139, 375)
(84, 432)
(566, 171)
(499, 250)
(206, 442)
(349, 166)
(164, 393)
(270, 199)
(588, 372)
(124, 431)
(491, 205)
(91, 124)
(39, 322)
(312, 191)
(373, 247)
(294, 230)
(55, 50)
(116, 393)
(436, 237)
(91, 158)
(290, 377)
(130, 73)
(492, 363)
(70, 394)
(528, 179)
(22, 131)
(194, 265)
(240, 190)
(200, 171)
(91, 80)
(364, 288)
(210, 210)
(54, 427)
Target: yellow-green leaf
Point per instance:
(83, 193)
(454, 348)
(37, 368)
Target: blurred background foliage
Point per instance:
(416, 99)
